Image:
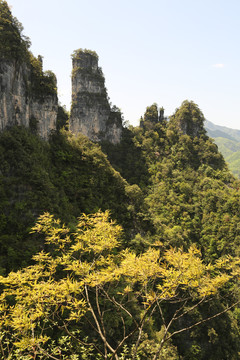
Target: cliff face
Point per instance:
(19, 105)
(26, 100)
(91, 113)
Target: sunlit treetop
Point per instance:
(189, 119)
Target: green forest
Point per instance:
(124, 252)
(228, 142)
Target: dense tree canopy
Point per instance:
(191, 198)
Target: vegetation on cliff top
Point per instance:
(77, 53)
(14, 46)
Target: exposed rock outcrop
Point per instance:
(91, 113)
(20, 104)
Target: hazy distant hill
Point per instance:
(228, 141)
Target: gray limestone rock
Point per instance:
(91, 113)
(19, 106)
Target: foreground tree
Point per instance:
(84, 281)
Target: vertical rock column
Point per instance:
(91, 114)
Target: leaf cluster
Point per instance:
(76, 283)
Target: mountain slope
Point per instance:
(66, 177)
(228, 142)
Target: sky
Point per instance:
(150, 51)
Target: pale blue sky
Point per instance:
(162, 51)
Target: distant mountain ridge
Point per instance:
(228, 142)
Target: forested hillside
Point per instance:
(177, 194)
(126, 251)
(228, 142)
(65, 176)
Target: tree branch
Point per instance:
(166, 338)
(189, 310)
(81, 341)
(97, 322)
(204, 320)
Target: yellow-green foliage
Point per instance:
(82, 277)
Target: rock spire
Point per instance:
(91, 113)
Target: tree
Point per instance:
(12, 43)
(151, 113)
(86, 279)
(189, 119)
